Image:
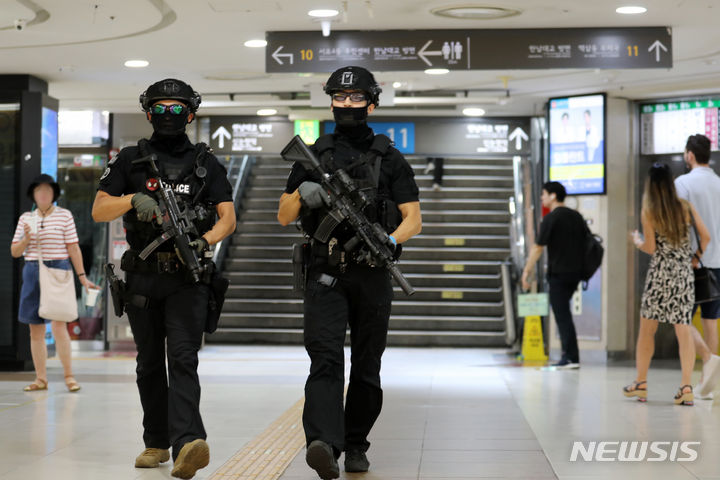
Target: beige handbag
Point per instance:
(58, 300)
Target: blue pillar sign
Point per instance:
(401, 133)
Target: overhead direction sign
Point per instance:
(498, 49)
(231, 134)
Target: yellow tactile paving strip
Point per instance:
(268, 455)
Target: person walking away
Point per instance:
(562, 231)
(435, 165)
(669, 294)
(701, 187)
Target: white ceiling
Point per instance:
(81, 46)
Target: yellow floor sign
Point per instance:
(533, 347)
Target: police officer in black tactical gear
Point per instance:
(163, 302)
(342, 288)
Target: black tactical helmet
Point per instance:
(354, 78)
(170, 89)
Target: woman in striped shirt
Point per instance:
(53, 229)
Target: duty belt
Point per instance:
(159, 262)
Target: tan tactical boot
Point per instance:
(192, 457)
(152, 458)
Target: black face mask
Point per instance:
(169, 125)
(350, 117)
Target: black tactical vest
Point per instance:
(189, 184)
(366, 172)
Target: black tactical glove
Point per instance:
(312, 195)
(146, 208)
(200, 245)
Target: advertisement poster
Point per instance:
(577, 143)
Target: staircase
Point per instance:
(454, 264)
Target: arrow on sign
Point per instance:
(657, 46)
(276, 55)
(518, 135)
(222, 133)
(423, 53)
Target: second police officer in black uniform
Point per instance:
(165, 304)
(342, 290)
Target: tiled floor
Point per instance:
(449, 414)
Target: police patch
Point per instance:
(105, 173)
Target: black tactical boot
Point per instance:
(356, 461)
(321, 458)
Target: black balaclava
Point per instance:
(169, 125)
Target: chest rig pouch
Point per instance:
(189, 183)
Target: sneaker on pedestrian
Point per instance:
(152, 458)
(436, 187)
(192, 457)
(430, 167)
(321, 458)
(356, 461)
(710, 376)
(565, 364)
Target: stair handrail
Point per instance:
(238, 191)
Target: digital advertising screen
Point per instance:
(577, 143)
(665, 127)
(49, 143)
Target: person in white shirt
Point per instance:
(701, 187)
(52, 229)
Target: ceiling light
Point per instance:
(137, 63)
(473, 112)
(325, 26)
(471, 12)
(256, 43)
(630, 10)
(264, 112)
(437, 71)
(323, 13)
(397, 84)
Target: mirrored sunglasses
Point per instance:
(174, 109)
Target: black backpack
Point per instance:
(592, 256)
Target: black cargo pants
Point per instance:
(360, 297)
(176, 317)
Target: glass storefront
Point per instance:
(9, 123)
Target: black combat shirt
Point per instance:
(563, 232)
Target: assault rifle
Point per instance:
(177, 224)
(347, 202)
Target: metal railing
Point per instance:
(241, 181)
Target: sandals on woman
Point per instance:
(684, 398)
(635, 390)
(72, 385)
(37, 385)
